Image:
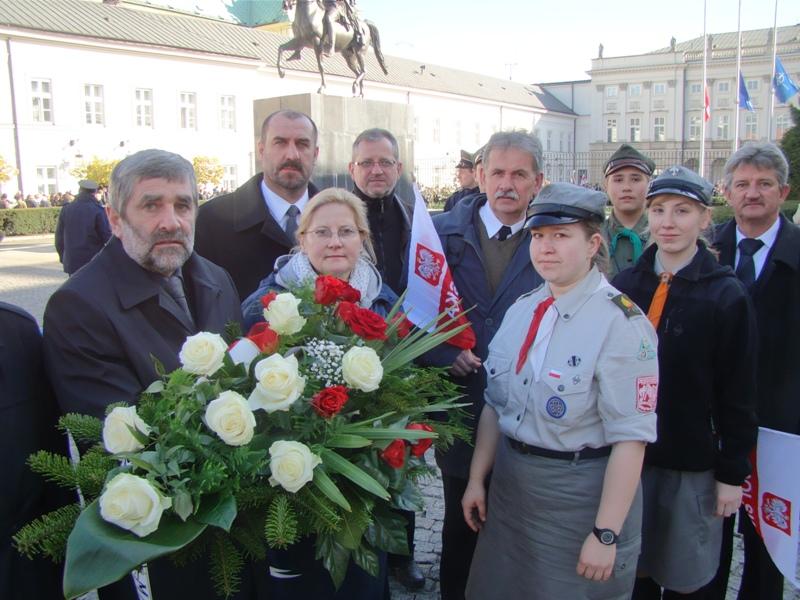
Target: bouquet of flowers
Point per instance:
(315, 423)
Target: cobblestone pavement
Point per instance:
(30, 272)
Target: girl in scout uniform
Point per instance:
(570, 402)
(706, 400)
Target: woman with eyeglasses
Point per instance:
(334, 239)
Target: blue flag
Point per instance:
(784, 87)
(744, 96)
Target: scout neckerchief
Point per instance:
(541, 309)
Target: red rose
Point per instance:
(419, 447)
(330, 401)
(395, 454)
(267, 298)
(263, 337)
(364, 323)
(403, 325)
(329, 289)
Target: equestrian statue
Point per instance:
(328, 26)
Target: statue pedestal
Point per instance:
(339, 120)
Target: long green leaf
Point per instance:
(347, 440)
(99, 553)
(387, 433)
(337, 463)
(326, 485)
(219, 511)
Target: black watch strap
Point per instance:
(607, 537)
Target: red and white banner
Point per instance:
(772, 497)
(431, 290)
(706, 104)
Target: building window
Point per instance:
(636, 130)
(611, 91)
(561, 141)
(782, 125)
(723, 87)
(42, 100)
(752, 85)
(549, 146)
(659, 89)
(188, 108)
(229, 179)
(751, 126)
(569, 142)
(227, 112)
(143, 104)
(695, 128)
(659, 129)
(695, 88)
(46, 180)
(634, 90)
(437, 131)
(723, 127)
(93, 104)
(611, 130)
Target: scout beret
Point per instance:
(466, 162)
(628, 156)
(88, 184)
(683, 182)
(563, 203)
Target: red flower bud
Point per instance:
(263, 337)
(329, 289)
(267, 298)
(419, 447)
(395, 454)
(329, 401)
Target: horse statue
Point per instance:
(351, 38)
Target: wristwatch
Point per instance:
(607, 537)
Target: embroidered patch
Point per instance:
(556, 407)
(646, 393)
(554, 374)
(574, 361)
(576, 380)
(646, 350)
(627, 305)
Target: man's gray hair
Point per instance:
(519, 139)
(377, 134)
(148, 164)
(766, 155)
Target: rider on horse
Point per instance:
(333, 7)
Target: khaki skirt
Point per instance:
(540, 511)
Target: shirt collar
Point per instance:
(277, 206)
(640, 228)
(493, 224)
(768, 237)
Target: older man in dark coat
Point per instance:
(142, 296)
(763, 247)
(82, 229)
(487, 251)
(28, 415)
(246, 230)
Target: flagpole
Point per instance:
(705, 94)
(738, 76)
(772, 80)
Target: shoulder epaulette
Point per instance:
(626, 305)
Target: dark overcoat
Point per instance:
(81, 232)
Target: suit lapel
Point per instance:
(204, 291)
(726, 243)
(519, 261)
(250, 210)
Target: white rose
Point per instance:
(132, 503)
(291, 464)
(362, 368)
(203, 353)
(117, 436)
(282, 314)
(279, 383)
(230, 417)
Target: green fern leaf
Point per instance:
(280, 528)
(48, 534)
(226, 565)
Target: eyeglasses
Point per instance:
(345, 234)
(383, 163)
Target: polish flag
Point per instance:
(431, 290)
(706, 104)
(771, 497)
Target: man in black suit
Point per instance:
(140, 298)
(246, 230)
(763, 246)
(28, 415)
(82, 229)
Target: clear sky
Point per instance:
(553, 40)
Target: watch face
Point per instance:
(607, 537)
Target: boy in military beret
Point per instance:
(627, 174)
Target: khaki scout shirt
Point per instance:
(599, 379)
(623, 255)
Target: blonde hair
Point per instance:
(345, 198)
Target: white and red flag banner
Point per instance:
(706, 104)
(772, 497)
(431, 290)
